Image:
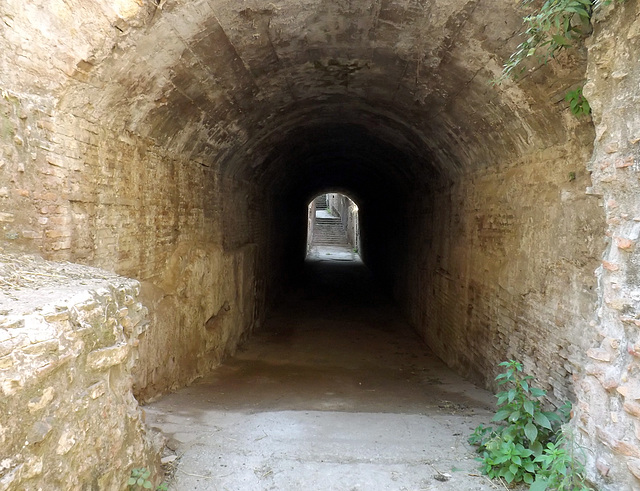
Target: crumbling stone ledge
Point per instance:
(68, 342)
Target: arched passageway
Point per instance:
(178, 143)
(333, 223)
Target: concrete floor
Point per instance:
(336, 393)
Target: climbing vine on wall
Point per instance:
(556, 25)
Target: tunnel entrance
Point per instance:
(333, 226)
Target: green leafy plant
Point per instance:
(577, 102)
(140, 480)
(561, 470)
(528, 445)
(557, 25)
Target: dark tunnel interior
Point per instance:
(379, 175)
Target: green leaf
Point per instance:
(501, 459)
(542, 420)
(528, 478)
(531, 431)
(132, 481)
(540, 484)
(147, 485)
(140, 481)
(526, 452)
(536, 448)
(560, 40)
(552, 416)
(509, 476)
(513, 468)
(535, 392)
(528, 407)
(501, 415)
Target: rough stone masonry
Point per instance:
(179, 142)
(68, 341)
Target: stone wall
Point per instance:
(202, 307)
(502, 267)
(348, 212)
(311, 222)
(69, 340)
(608, 409)
(75, 190)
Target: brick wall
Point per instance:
(502, 267)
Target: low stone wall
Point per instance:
(201, 307)
(68, 417)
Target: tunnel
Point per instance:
(178, 144)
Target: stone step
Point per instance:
(321, 202)
(330, 232)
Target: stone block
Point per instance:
(599, 354)
(41, 402)
(603, 467)
(41, 348)
(53, 364)
(624, 243)
(96, 390)
(38, 432)
(66, 442)
(630, 390)
(57, 316)
(6, 362)
(12, 322)
(634, 466)
(107, 357)
(632, 408)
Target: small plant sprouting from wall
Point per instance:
(577, 102)
(139, 480)
(530, 445)
(556, 25)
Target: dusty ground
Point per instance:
(336, 393)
